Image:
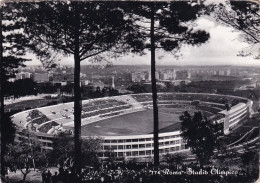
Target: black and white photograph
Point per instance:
(130, 91)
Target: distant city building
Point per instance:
(85, 82)
(163, 76)
(148, 86)
(41, 77)
(23, 75)
(148, 76)
(62, 77)
(189, 75)
(181, 75)
(258, 84)
(203, 72)
(19, 76)
(138, 77)
(99, 84)
(157, 76)
(171, 74)
(228, 72)
(69, 69)
(244, 73)
(63, 83)
(222, 73)
(113, 82)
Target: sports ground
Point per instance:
(137, 123)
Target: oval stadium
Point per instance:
(125, 123)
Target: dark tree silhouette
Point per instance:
(174, 160)
(26, 154)
(63, 151)
(200, 135)
(7, 137)
(163, 25)
(23, 87)
(81, 29)
(12, 50)
(225, 156)
(250, 161)
(8, 134)
(244, 17)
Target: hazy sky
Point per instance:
(221, 49)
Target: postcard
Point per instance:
(130, 91)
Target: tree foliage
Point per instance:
(166, 26)
(250, 161)
(244, 17)
(12, 48)
(56, 26)
(83, 30)
(200, 135)
(20, 87)
(225, 156)
(7, 137)
(63, 151)
(8, 132)
(25, 154)
(13, 42)
(173, 24)
(175, 160)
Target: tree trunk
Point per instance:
(154, 92)
(77, 98)
(201, 162)
(25, 173)
(33, 164)
(2, 151)
(24, 176)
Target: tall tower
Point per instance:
(113, 82)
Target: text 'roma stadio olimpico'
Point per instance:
(125, 123)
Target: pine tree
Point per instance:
(12, 50)
(80, 29)
(200, 135)
(242, 16)
(164, 25)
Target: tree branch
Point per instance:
(94, 54)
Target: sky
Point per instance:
(221, 49)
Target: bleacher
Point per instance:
(101, 104)
(33, 114)
(166, 97)
(36, 117)
(216, 100)
(40, 120)
(210, 104)
(47, 126)
(101, 107)
(207, 108)
(142, 97)
(174, 106)
(215, 105)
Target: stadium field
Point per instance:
(138, 123)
